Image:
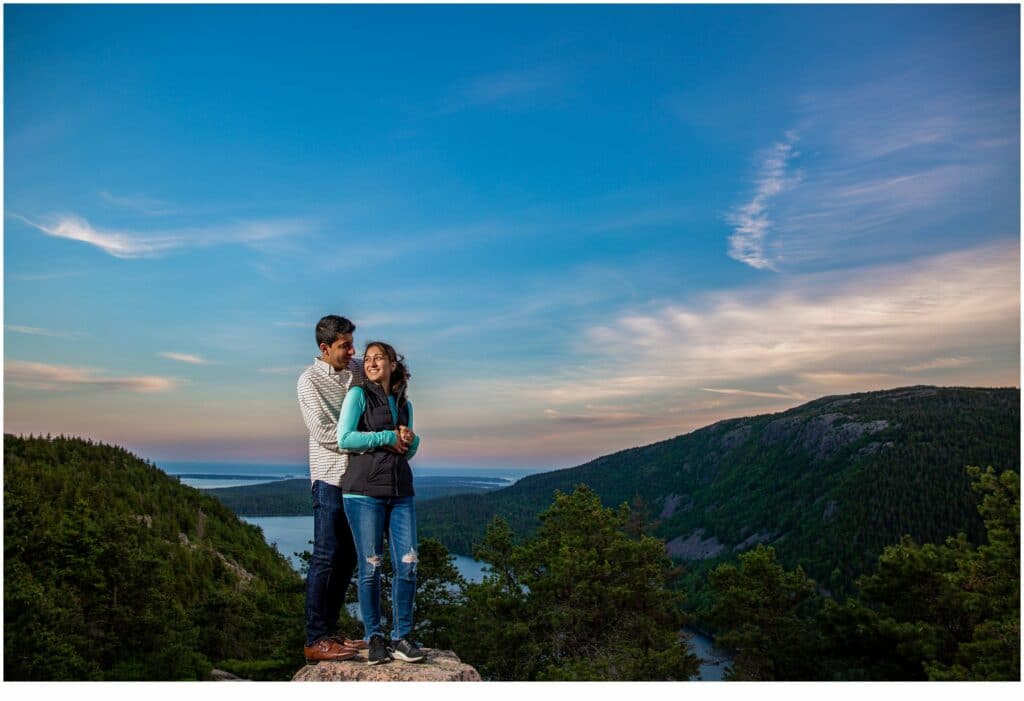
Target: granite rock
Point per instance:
(440, 666)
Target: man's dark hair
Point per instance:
(330, 327)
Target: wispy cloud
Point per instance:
(751, 222)
(749, 393)
(895, 318)
(597, 420)
(34, 331)
(125, 244)
(186, 358)
(140, 203)
(503, 88)
(938, 364)
(286, 370)
(59, 378)
(886, 169)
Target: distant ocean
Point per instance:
(216, 475)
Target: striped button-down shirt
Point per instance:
(321, 391)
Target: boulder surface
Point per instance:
(440, 666)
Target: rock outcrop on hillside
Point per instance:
(440, 666)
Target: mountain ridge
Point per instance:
(829, 483)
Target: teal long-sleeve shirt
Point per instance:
(352, 441)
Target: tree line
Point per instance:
(115, 571)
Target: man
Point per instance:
(322, 388)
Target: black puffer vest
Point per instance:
(379, 473)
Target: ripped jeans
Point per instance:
(369, 517)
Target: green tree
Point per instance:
(905, 613)
(987, 582)
(939, 612)
(758, 607)
(115, 571)
(579, 600)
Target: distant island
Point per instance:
(291, 497)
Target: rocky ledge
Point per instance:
(440, 666)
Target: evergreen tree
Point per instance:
(115, 571)
(579, 600)
(987, 582)
(940, 612)
(758, 607)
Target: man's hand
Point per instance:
(406, 434)
(400, 445)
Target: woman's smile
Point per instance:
(377, 366)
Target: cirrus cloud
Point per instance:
(186, 358)
(751, 222)
(60, 378)
(130, 244)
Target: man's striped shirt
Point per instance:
(321, 391)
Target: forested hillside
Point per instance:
(829, 484)
(113, 570)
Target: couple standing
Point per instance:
(360, 442)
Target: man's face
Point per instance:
(338, 353)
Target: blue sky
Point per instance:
(587, 227)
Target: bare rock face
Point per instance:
(694, 546)
(440, 666)
(821, 436)
(219, 675)
(674, 503)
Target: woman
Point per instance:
(375, 426)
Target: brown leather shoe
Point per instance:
(328, 649)
(348, 642)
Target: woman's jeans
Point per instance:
(369, 518)
(332, 564)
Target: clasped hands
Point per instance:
(405, 437)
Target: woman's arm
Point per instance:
(349, 439)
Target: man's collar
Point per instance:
(326, 368)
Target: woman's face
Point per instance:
(377, 366)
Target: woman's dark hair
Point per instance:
(400, 376)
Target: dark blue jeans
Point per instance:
(369, 519)
(332, 565)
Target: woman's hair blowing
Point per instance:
(400, 376)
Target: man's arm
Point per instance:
(320, 424)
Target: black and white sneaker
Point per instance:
(378, 651)
(406, 651)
